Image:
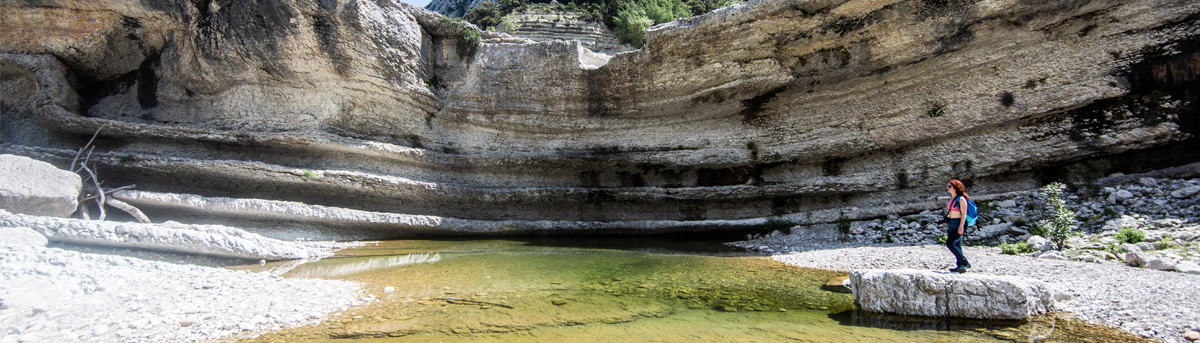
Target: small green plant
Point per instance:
(309, 174)
(433, 82)
(783, 225)
(1038, 230)
(1130, 235)
(632, 21)
(1015, 249)
(468, 41)
(843, 224)
(1116, 249)
(941, 239)
(936, 109)
(1061, 224)
(1162, 245)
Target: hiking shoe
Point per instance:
(959, 270)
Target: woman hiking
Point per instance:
(956, 224)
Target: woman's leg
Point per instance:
(954, 243)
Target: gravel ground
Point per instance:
(56, 295)
(1154, 304)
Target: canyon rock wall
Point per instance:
(542, 25)
(806, 110)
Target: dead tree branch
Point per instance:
(85, 147)
(99, 194)
(134, 211)
(99, 191)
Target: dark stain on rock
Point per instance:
(693, 210)
(253, 28)
(901, 180)
(327, 37)
(832, 166)
(709, 177)
(147, 82)
(599, 197)
(1162, 68)
(629, 179)
(939, 8)
(1007, 99)
(955, 41)
(590, 179)
(753, 107)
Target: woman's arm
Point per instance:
(962, 224)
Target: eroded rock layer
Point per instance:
(808, 110)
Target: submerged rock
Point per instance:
(935, 294)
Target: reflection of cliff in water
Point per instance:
(338, 267)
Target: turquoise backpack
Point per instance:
(972, 212)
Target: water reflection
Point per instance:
(595, 290)
(340, 267)
(1033, 330)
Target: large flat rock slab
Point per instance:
(941, 294)
(33, 187)
(211, 240)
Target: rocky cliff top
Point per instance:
(542, 25)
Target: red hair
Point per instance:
(959, 188)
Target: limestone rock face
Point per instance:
(933, 294)
(453, 8)
(552, 25)
(210, 240)
(37, 188)
(805, 110)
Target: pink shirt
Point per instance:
(952, 205)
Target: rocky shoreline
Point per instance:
(57, 295)
(1148, 288)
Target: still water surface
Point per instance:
(616, 290)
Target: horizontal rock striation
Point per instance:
(931, 294)
(551, 25)
(212, 240)
(807, 110)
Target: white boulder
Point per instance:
(1188, 267)
(33, 187)
(1118, 223)
(1161, 263)
(1039, 243)
(939, 294)
(21, 236)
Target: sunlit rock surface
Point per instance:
(544, 25)
(941, 294)
(807, 110)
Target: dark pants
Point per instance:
(954, 242)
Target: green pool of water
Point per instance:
(615, 290)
